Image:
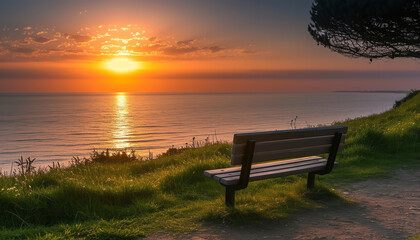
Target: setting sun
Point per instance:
(122, 65)
(117, 117)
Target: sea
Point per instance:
(56, 127)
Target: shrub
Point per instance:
(409, 96)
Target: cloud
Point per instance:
(185, 42)
(301, 75)
(179, 51)
(148, 48)
(184, 49)
(98, 42)
(21, 50)
(80, 38)
(41, 39)
(259, 75)
(215, 49)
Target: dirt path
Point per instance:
(383, 209)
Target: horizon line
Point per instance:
(227, 92)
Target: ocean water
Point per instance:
(55, 127)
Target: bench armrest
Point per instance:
(332, 155)
(246, 166)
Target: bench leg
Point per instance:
(311, 180)
(230, 197)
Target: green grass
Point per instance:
(380, 143)
(118, 197)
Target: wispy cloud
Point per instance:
(259, 75)
(31, 43)
(41, 39)
(79, 38)
(301, 75)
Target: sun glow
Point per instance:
(122, 65)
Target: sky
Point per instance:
(178, 46)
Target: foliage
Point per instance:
(409, 96)
(125, 198)
(379, 143)
(368, 28)
(25, 166)
(118, 156)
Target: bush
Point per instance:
(409, 96)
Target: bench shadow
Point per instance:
(337, 218)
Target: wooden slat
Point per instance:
(278, 173)
(211, 173)
(272, 168)
(287, 134)
(286, 144)
(283, 154)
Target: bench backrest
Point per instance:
(276, 145)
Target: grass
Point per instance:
(380, 143)
(116, 196)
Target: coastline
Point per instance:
(53, 129)
(117, 196)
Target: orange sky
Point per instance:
(262, 48)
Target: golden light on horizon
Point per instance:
(122, 65)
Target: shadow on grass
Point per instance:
(69, 203)
(258, 204)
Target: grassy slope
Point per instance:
(171, 194)
(380, 143)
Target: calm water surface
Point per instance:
(55, 127)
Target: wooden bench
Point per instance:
(299, 144)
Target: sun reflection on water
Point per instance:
(121, 129)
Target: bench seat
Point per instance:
(286, 152)
(230, 176)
